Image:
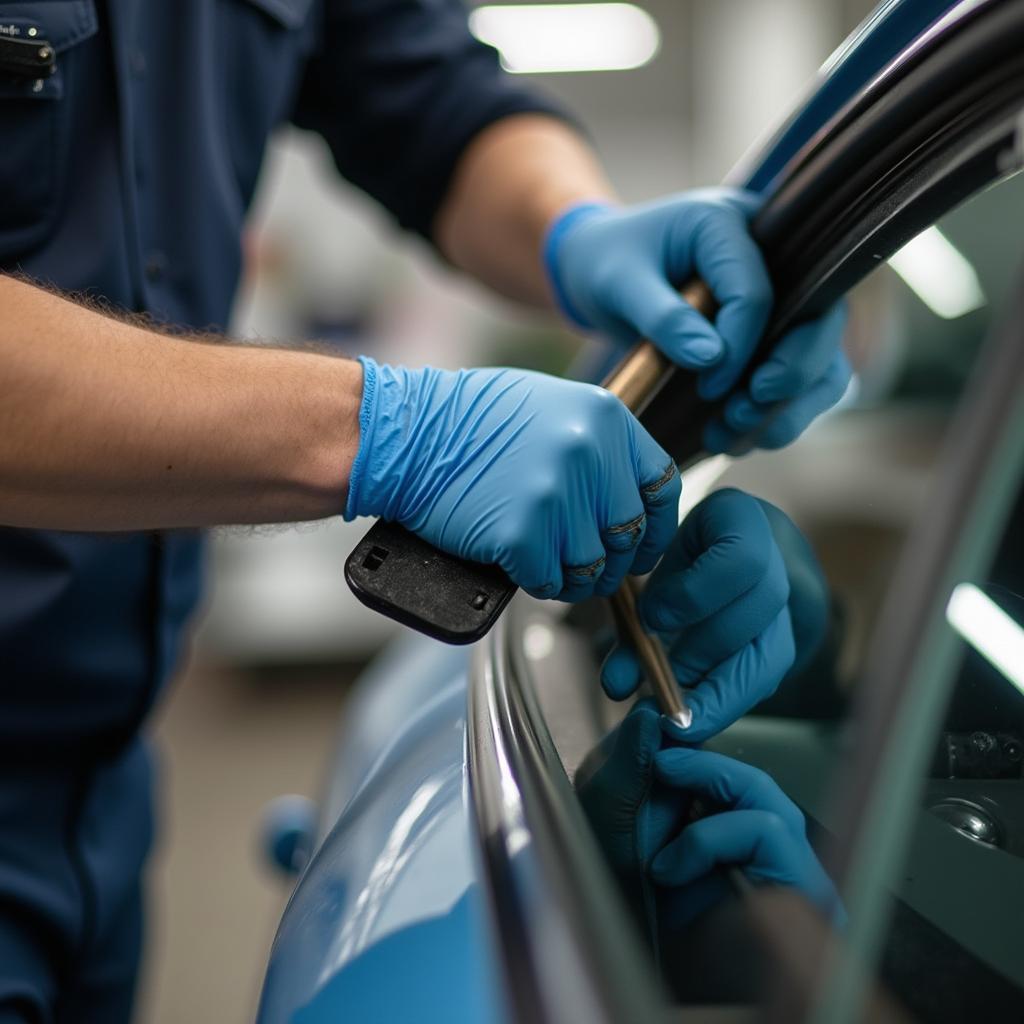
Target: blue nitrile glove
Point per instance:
(553, 480)
(720, 600)
(757, 828)
(642, 803)
(613, 784)
(617, 270)
(810, 598)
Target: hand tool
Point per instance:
(651, 653)
(396, 573)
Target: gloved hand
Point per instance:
(614, 783)
(553, 480)
(757, 828)
(643, 803)
(721, 599)
(617, 270)
(810, 597)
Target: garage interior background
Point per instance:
(255, 711)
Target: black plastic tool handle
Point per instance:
(399, 575)
(449, 598)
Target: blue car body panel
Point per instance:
(388, 921)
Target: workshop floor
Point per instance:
(229, 742)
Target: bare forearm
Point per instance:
(512, 181)
(108, 426)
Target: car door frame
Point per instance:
(566, 939)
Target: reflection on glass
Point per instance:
(858, 485)
(989, 630)
(939, 274)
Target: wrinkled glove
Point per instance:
(553, 480)
(723, 602)
(617, 271)
(645, 806)
(757, 828)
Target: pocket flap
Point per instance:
(61, 22)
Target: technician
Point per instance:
(133, 132)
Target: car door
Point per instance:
(919, 169)
(529, 924)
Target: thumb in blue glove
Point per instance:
(553, 480)
(644, 805)
(618, 270)
(757, 828)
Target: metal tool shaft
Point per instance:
(651, 654)
(635, 382)
(644, 370)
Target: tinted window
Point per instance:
(858, 484)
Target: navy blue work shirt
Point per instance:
(126, 176)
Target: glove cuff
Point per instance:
(355, 506)
(556, 233)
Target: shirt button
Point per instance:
(155, 266)
(137, 63)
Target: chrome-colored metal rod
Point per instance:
(635, 382)
(642, 372)
(652, 655)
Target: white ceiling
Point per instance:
(726, 71)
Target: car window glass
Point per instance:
(858, 485)
(858, 479)
(959, 898)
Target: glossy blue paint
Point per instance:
(388, 921)
(383, 712)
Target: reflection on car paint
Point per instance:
(395, 877)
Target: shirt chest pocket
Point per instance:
(38, 40)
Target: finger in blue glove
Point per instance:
(731, 689)
(613, 784)
(721, 588)
(807, 373)
(761, 831)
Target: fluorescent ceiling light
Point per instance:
(989, 630)
(939, 274)
(567, 37)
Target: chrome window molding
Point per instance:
(569, 948)
(554, 905)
